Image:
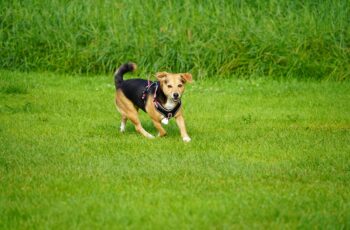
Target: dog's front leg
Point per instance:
(180, 121)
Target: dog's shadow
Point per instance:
(171, 128)
(106, 129)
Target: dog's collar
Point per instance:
(154, 87)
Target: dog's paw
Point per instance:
(186, 139)
(122, 127)
(150, 136)
(161, 134)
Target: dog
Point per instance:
(161, 99)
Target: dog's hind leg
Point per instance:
(128, 111)
(124, 118)
(132, 116)
(123, 123)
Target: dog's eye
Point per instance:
(170, 86)
(180, 85)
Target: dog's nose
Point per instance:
(176, 95)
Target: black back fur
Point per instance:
(133, 89)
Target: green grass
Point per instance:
(292, 39)
(264, 154)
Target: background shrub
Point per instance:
(274, 38)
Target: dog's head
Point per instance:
(173, 84)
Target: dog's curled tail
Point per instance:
(118, 75)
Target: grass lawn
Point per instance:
(263, 154)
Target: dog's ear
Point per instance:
(187, 77)
(160, 75)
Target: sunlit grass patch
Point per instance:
(263, 154)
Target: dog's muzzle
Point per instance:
(176, 96)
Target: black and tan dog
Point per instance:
(160, 99)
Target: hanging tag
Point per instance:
(165, 121)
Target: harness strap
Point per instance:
(148, 89)
(166, 112)
(155, 93)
